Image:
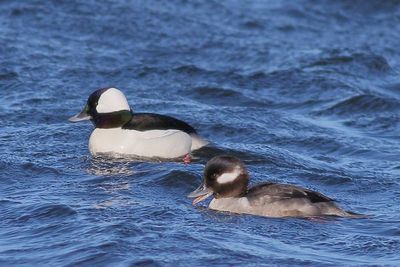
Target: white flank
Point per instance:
(197, 142)
(154, 143)
(112, 100)
(228, 176)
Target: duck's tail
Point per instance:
(353, 215)
(330, 208)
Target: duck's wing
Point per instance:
(151, 121)
(271, 192)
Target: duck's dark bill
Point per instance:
(200, 194)
(82, 116)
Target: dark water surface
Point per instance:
(306, 92)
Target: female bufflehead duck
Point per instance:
(120, 131)
(226, 178)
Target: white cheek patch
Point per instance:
(112, 100)
(228, 176)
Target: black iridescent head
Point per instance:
(224, 176)
(106, 108)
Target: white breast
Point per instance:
(232, 204)
(153, 143)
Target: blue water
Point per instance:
(305, 92)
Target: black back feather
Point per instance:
(151, 121)
(285, 191)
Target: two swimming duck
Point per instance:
(120, 131)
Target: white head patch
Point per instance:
(228, 177)
(112, 100)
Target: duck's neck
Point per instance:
(112, 120)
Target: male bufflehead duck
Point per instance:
(226, 178)
(120, 131)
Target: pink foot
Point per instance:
(187, 159)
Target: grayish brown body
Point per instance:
(226, 178)
(279, 200)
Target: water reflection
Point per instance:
(108, 166)
(115, 201)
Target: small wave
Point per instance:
(189, 69)
(26, 9)
(6, 202)
(36, 168)
(177, 178)
(393, 88)
(49, 211)
(370, 62)
(361, 104)
(276, 88)
(4, 165)
(385, 125)
(224, 97)
(146, 70)
(8, 75)
(250, 157)
(146, 262)
(367, 8)
(253, 25)
(368, 245)
(37, 100)
(195, 72)
(98, 255)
